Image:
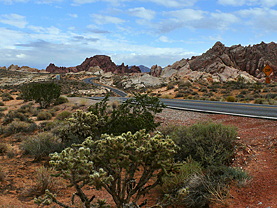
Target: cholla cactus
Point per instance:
(113, 162)
(80, 126)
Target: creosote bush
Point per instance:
(111, 163)
(230, 99)
(208, 143)
(18, 126)
(41, 145)
(63, 115)
(44, 115)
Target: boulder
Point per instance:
(155, 71)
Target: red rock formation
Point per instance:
(251, 59)
(104, 62)
(155, 71)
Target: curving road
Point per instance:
(117, 91)
(236, 109)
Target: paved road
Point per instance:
(117, 91)
(237, 109)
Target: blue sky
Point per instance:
(38, 32)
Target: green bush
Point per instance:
(63, 115)
(230, 99)
(12, 115)
(179, 176)
(41, 145)
(178, 94)
(60, 100)
(43, 93)
(3, 108)
(208, 143)
(3, 148)
(260, 101)
(170, 86)
(1, 103)
(19, 126)
(184, 84)
(44, 115)
(6, 96)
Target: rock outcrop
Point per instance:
(21, 69)
(155, 71)
(222, 63)
(251, 59)
(103, 62)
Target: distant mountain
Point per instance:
(142, 68)
(102, 61)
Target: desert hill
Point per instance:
(93, 64)
(221, 63)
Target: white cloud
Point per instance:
(164, 39)
(102, 19)
(264, 3)
(142, 13)
(174, 3)
(260, 18)
(14, 20)
(13, 1)
(73, 15)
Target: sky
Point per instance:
(143, 32)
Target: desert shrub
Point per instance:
(19, 97)
(3, 108)
(13, 115)
(208, 143)
(203, 89)
(178, 94)
(230, 99)
(42, 93)
(112, 162)
(184, 84)
(2, 174)
(6, 96)
(212, 99)
(194, 93)
(10, 151)
(260, 101)
(44, 115)
(63, 115)
(43, 181)
(5, 99)
(60, 100)
(170, 86)
(1, 103)
(3, 148)
(41, 145)
(249, 97)
(19, 126)
(179, 176)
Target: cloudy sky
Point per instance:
(65, 32)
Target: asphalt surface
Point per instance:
(228, 108)
(117, 91)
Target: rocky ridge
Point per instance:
(222, 64)
(103, 62)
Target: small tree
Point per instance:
(133, 115)
(113, 163)
(42, 93)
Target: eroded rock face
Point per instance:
(104, 62)
(223, 64)
(251, 59)
(155, 71)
